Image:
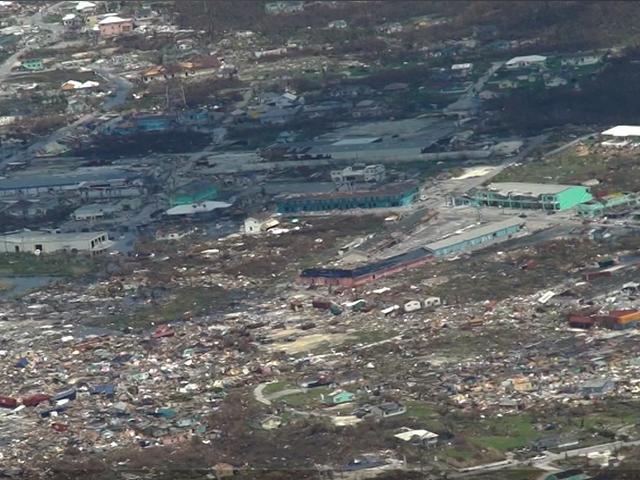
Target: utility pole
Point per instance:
(208, 12)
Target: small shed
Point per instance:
(338, 398)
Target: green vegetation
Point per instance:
(523, 473)
(370, 336)
(52, 18)
(310, 399)
(182, 303)
(276, 387)
(57, 265)
(615, 171)
(54, 76)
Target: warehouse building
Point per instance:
(93, 243)
(607, 205)
(366, 273)
(102, 180)
(420, 256)
(476, 236)
(196, 191)
(398, 195)
(539, 196)
(359, 174)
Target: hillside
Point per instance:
(566, 24)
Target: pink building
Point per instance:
(114, 26)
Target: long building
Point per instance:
(611, 203)
(397, 195)
(366, 273)
(99, 179)
(27, 241)
(541, 196)
(476, 236)
(465, 241)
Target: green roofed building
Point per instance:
(393, 195)
(609, 204)
(33, 64)
(541, 196)
(194, 192)
(573, 474)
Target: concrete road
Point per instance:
(545, 461)
(469, 100)
(121, 88)
(37, 19)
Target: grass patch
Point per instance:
(421, 411)
(517, 474)
(193, 300)
(370, 336)
(276, 387)
(507, 433)
(54, 76)
(55, 265)
(312, 398)
(52, 18)
(616, 171)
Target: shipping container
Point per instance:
(625, 316)
(8, 402)
(35, 400)
(580, 321)
(596, 274)
(412, 306)
(321, 304)
(69, 394)
(609, 262)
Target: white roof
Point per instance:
(69, 16)
(474, 233)
(527, 59)
(421, 434)
(204, 207)
(356, 141)
(44, 237)
(114, 19)
(461, 66)
(524, 188)
(76, 85)
(623, 131)
(84, 5)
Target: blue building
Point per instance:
(597, 387)
(476, 236)
(153, 123)
(397, 195)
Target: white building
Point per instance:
(95, 211)
(431, 302)
(38, 242)
(368, 173)
(208, 206)
(259, 223)
(175, 234)
(581, 60)
(418, 436)
(527, 61)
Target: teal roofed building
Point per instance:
(541, 196)
(339, 398)
(608, 204)
(32, 64)
(193, 192)
(476, 237)
(573, 474)
(398, 195)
